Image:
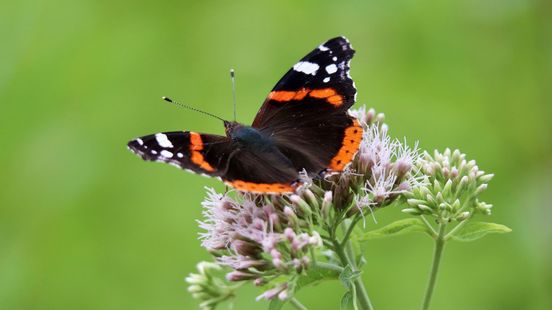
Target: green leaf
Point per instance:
(348, 301)
(276, 304)
(476, 230)
(315, 275)
(396, 228)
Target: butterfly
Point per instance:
(303, 125)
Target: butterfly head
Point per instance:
(231, 127)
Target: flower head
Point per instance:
(452, 188)
(207, 287)
(256, 236)
(386, 165)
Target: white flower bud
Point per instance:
(195, 279)
(311, 199)
(283, 295)
(456, 155)
(486, 178)
(462, 183)
(456, 204)
(448, 187)
(462, 216)
(195, 289)
(326, 204)
(437, 186)
(439, 197)
(425, 208)
(380, 118)
(315, 239)
(480, 189)
(415, 202)
(411, 211)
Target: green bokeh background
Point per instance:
(84, 224)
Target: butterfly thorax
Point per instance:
(250, 138)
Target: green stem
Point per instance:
(296, 304)
(429, 226)
(456, 228)
(346, 244)
(349, 230)
(362, 294)
(437, 254)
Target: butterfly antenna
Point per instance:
(233, 78)
(190, 108)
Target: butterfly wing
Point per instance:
(321, 76)
(306, 112)
(217, 156)
(201, 153)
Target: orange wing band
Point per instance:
(196, 146)
(349, 147)
(277, 188)
(329, 94)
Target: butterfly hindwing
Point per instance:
(217, 156)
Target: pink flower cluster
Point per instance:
(255, 236)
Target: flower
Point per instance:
(279, 290)
(207, 287)
(385, 167)
(255, 236)
(452, 188)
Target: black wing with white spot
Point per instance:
(201, 153)
(245, 169)
(306, 112)
(321, 76)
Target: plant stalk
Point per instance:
(362, 294)
(437, 254)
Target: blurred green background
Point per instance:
(84, 224)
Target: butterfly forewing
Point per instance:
(306, 112)
(201, 153)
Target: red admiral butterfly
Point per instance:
(302, 125)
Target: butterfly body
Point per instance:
(251, 139)
(303, 125)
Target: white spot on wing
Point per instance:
(326, 80)
(179, 155)
(163, 140)
(139, 141)
(166, 153)
(331, 68)
(306, 67)
(334, 58)
(323, 48)
(154, 152)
